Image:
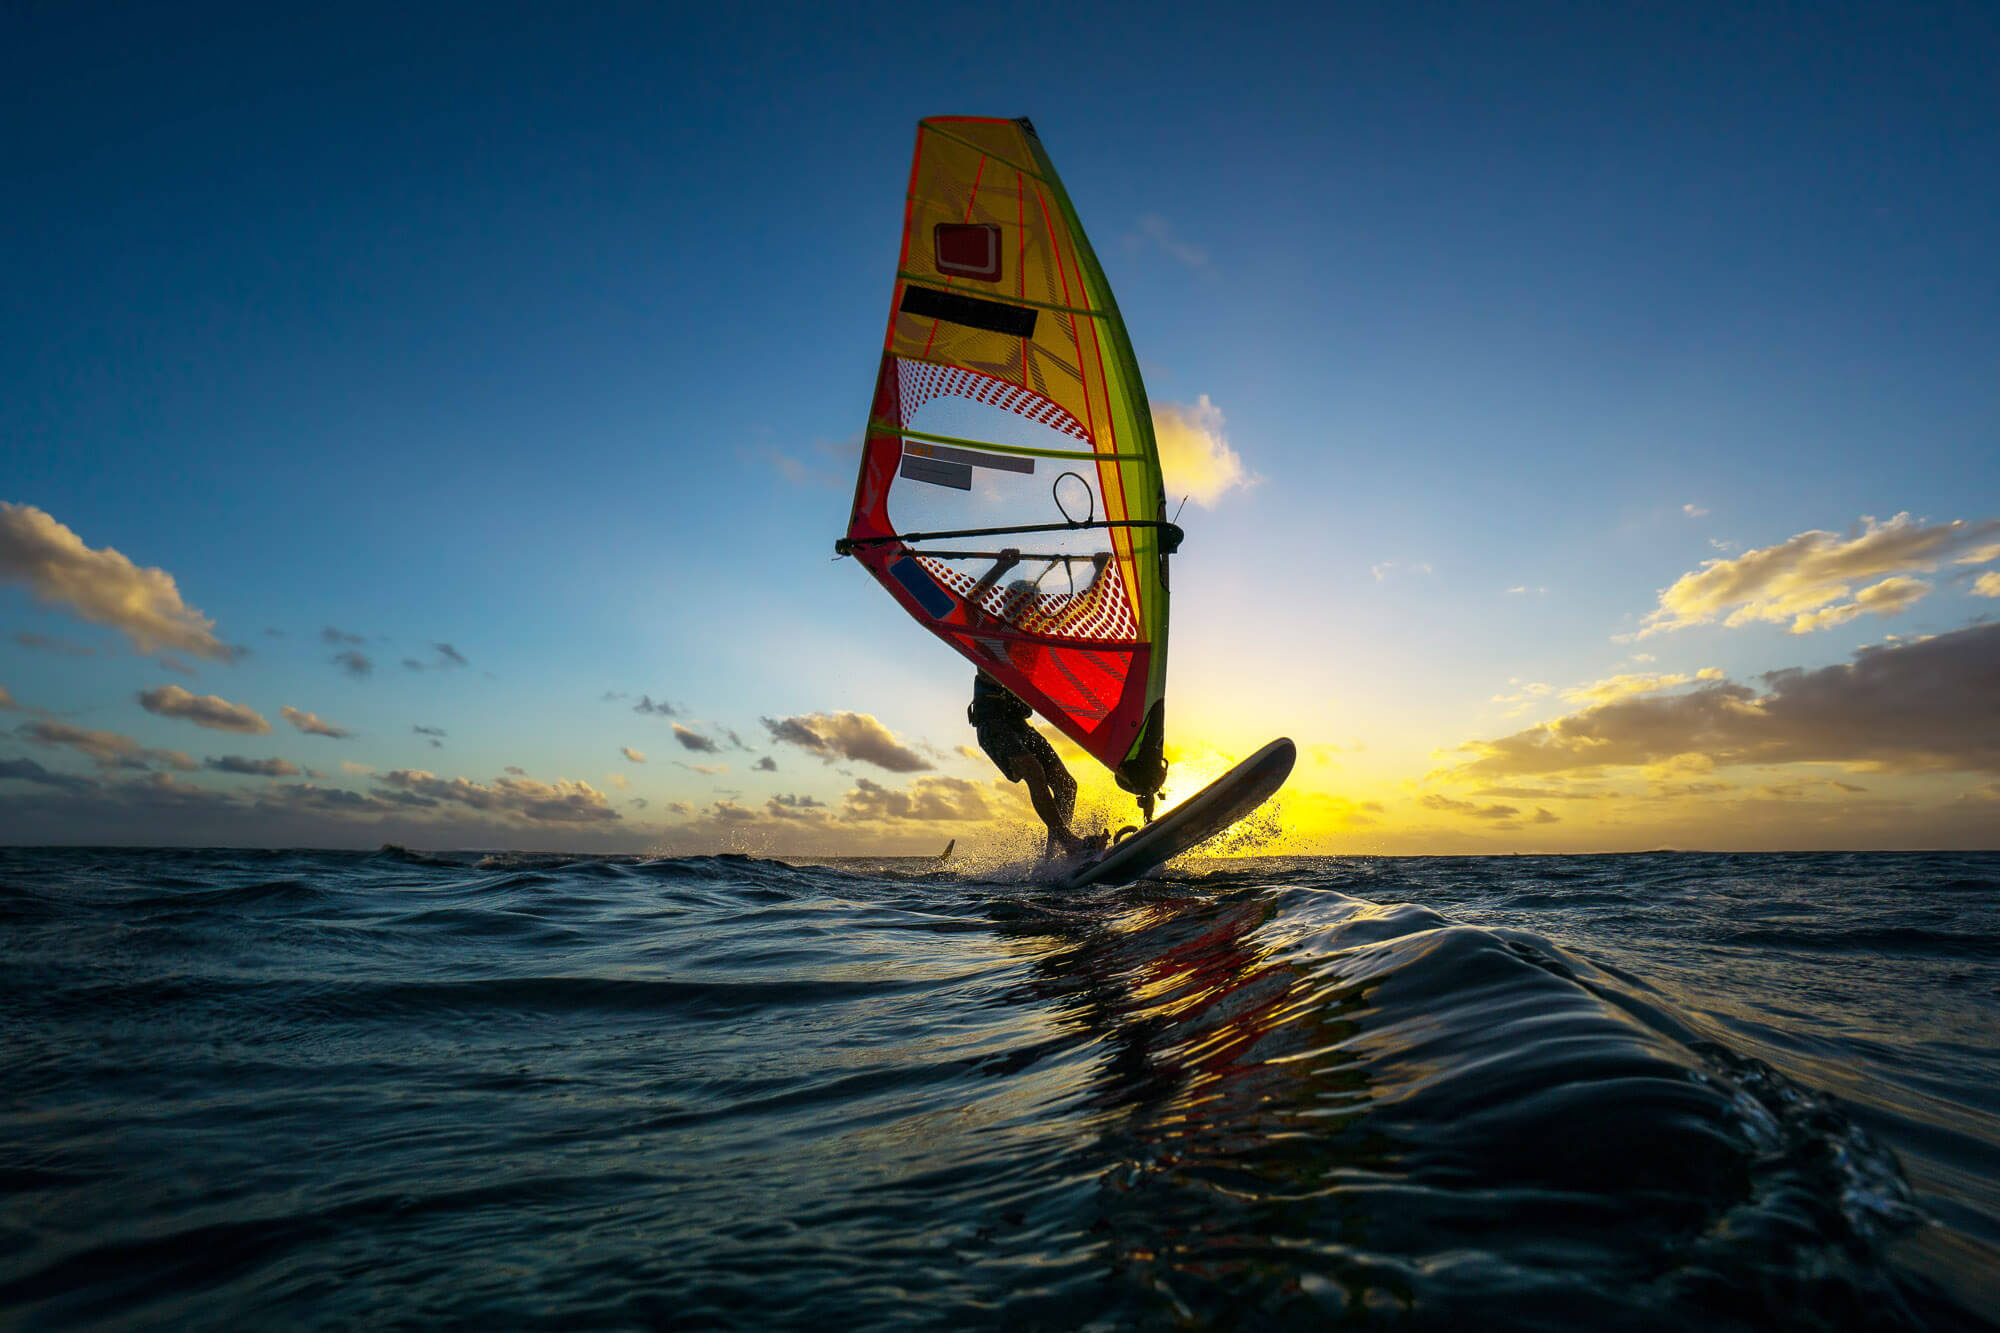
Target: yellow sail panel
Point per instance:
(958, 185)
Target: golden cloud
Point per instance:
(1805, 579)
(855, 736)
(561, 802)
(204, 710)
(1887, 598)
(1987, 585)
(1932, 704)
(1195, 457)
(1624, 686)
(312, 725)
(102, 585)
(106, 747)
(928, 798)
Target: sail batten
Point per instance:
(1005, 348)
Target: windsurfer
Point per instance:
(1000, 720)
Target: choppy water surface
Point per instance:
(327, 1089)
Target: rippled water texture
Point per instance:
(1670, 1091)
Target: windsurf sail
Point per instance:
(1009, 420)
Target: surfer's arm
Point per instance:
(1097, 564)
(1008, 559)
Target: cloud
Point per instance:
(1987, 585)
(563, 802)
(662, 708)
(1525, 698)
(106, 747)
(1613, 688)
(174, 664)
(636, 756)
(516, 771)
(42, 643)
(1504, 817)
(1694, 511)
(1805, 579)
(350, 766)
(356, 664)
(267, 768)
(1154, 228)
(311, 724)
(731, 813)
(795, 808)
(855, 736)
(27, 770)
(102, 586)
(1547, 794)
(1931, 704)
(1805, 787)
(306, 796)
(766, 765)
(447, 657)
(340, 636)
(1195, 457)
(1468, 808)
(931, 798)
(7, 703)
(694, 740)
(435, 732)
(204, 710)
(1887, 598)
(831, 465)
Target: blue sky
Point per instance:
(549, 337)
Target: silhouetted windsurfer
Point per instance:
(1000, 719)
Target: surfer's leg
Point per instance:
(1062, 787)
(1028, 768)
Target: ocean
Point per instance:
(306, 1089)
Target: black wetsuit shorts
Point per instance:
(1000, 720)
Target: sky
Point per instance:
(430, 424)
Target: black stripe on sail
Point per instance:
(1016, 321)
(937, 472)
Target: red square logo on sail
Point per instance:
(968, 250)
